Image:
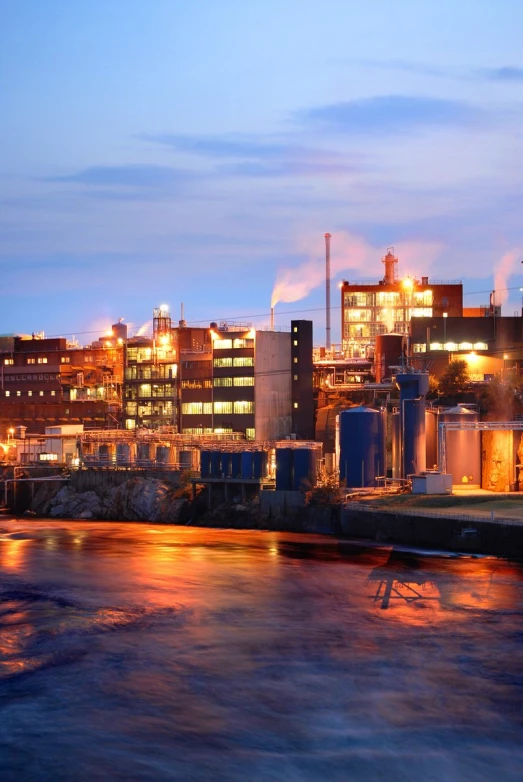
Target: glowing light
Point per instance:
(505, 356)
(164, 340)
(251, 334)
(120, 341)
(107, 344)
(164, 308)
(109, 333)
(407, 283)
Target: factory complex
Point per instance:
(260, 409)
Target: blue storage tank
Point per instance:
(143, 453)
(396, 445)
(236, 464)
(414, 446)
(163, 453)
(123, 453)
(247, 464)
(226, 464)
(362, 446)
(205, 463)
(259, 464)
(216, 464)
(304, 468)
(284, 469)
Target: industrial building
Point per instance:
(369, 309)
(51, 382)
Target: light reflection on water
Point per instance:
(160, 653)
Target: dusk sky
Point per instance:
(197, 151)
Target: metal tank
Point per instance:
(186, 461)
(431, 438)
(246, 465)
(260, 462)
(388, 353)
(305, 466)
(283, 469)
(143, 454)
(123, 453)
(236, 464)
(362, 446)
(226, 464)
(396, 445)
(216, 464)
(414, 452)
(205, 463)
(462, 448)
(163, 454)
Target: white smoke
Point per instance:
(504, 269)
(348, 253)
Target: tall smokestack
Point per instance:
(272, 318)
(328, 291)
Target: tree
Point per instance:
(455, 379)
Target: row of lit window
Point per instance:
(230, 344)
(149, 408)
(31, 378)
(148, 372)
(195, 385)
(388, 298)
(237, 361)
(29, 393)
(227, 382)
(250, 433)
(220, 408)
(421, 347)
(391, 315)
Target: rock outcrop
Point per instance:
(138, 499)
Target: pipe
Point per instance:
(328, 291)
(272, 318)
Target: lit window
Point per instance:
(223, 362)
(419, 347)
(295, 329)
(223, 407)
(243, 408)
(295, 405)
(207, 408)
(41, 393)
(480, 346)
(465, 345)
(243, 381)
(222, 344)
(19, 393)
(243, 361)
(295, 359)
(66, 359)
(295, 377)
(53, 393)
(29, 393)
(243, 343)
(295, 343)
(192, 408)
(9, 361)
(249, 434)
(223, 382)
(31, 360)
(42, 360)
(8, 393)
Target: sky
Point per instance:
(197, 152)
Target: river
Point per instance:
(139, 652)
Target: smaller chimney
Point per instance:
(272, 318)
(390, 262)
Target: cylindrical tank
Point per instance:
(205, 463)
(216, 464)
(396, 445)
(283, 469)
(246, 464)
(304, 468)
(362, 446)
(236, 464)
(388, 353)
(123, 453)
(414, 453)
(119, 331)
(226, 464)
(462, 448)
(143, 453)
(259, 464)
(431, 438)
(163, 453)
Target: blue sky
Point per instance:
(196, 152)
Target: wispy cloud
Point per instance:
(253, 156)
(391, 114)
(136, 175)
(505, 74)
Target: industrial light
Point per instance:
(408, 283)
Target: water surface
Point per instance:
(136, 652)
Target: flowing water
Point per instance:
(138, 652)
